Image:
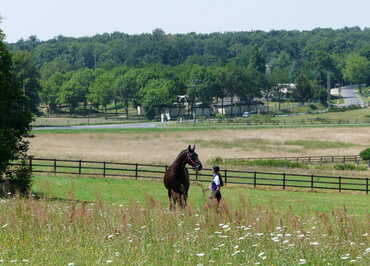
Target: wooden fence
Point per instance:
(253, 122)
(311, 159)
(154, 171)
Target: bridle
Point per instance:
(191, 161)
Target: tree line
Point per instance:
(152, 69)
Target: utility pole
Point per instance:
(328, 88)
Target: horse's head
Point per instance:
(192, 158)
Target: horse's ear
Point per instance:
(189, 148)
(194, 147)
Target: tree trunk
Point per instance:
(126, 108)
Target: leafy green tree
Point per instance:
(356, 69)
(29, 77)
(50, 91)
(156, 96)
(258, 60)
(102, 90)
(15, 119)
(75, 90)
(305, 89)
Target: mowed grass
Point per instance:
(127, 223)
(125, 191)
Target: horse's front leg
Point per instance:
(184, 198)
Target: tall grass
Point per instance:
(41, 232)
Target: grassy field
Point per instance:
(119, 226)
(124, 191)
(162, 145)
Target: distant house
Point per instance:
(286, 88)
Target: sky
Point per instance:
(76, 18)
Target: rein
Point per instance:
(191, 161)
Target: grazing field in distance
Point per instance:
(163, 145)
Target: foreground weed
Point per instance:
(41, 232)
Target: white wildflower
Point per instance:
(143, 227)
(117, 254)
(218, 232)
(200, 254)
(109, 261)
(275, 239)
(221, 245)
(300, 236)
(314, 243)
(13, 261)
(225, 226)
(345, 256)
(110, 236)
(367, 251)
(352, 261)
(261, 254)
(241, 238)
(366, 234)
(71, 264)
(302, 261)
(236, 252)
(199, 264)
(25, 260)
(285, 241)
(5, 225)
(259, 234)
(196, 229)
(211, 261)
(236, 247)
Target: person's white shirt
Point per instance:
(216, 180)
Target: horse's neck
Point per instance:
(180, 161)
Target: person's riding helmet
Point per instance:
(216, 168)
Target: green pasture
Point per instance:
(125, 191)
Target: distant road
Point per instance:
(349, 96)
(133, 125)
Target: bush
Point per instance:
(365, 154)
(16, 180)
(275, 163)
(344, 166)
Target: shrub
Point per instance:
(344, 166)
(275, 163)
(365, 154)
(16, 180)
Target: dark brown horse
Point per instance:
(176, 179)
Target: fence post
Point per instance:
(284, 180)
(367, 185)
(30, 163)
(311, 182)
(79, 167)
(340, 183)
(225, 177)
(55, 166)
(136, 171)
(255, 180)
(196, 175)
(104, 169)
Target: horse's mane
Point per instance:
(181, 154)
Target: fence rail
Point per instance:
(155, 171)
(310, 159)
(282, 122)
